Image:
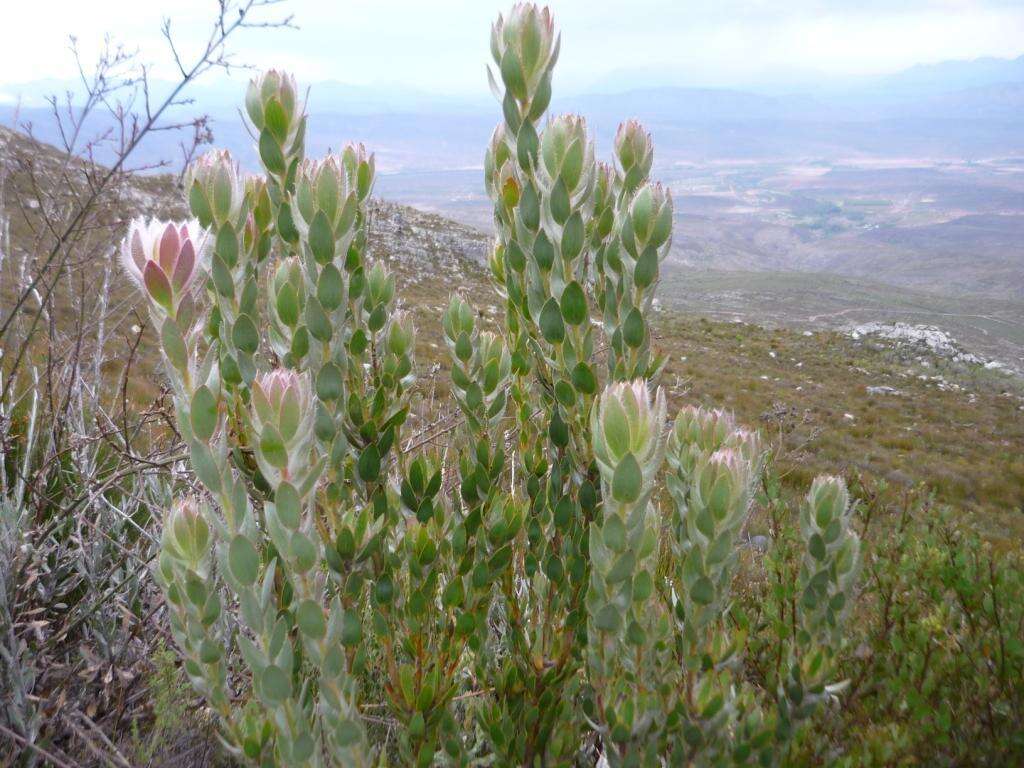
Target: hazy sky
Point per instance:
(441, 46)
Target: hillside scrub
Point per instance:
(562, 573)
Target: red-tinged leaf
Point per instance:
(157, 285)
(170, 244)
(184, 267)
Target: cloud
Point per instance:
(442, 45)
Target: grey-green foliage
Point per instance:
(549, 566)
(17, 674)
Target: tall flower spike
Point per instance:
(634, 152)
(164, 259)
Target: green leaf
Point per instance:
(317, 321)
(558, 430)
(564, 393)
(329, 383)
(270, 153)
(351, 629)
(203, 413)
(210, 652)
(615, 427)
(321, 238)
(200, 205)
(205, 466)
(275, 684)
(226, 245)
(627, 482)
(633, 328)
(622, 568)
(369, 464)
(347, 733)
(463, 347)
(574, 304)
(643, 586)
(816, 546)
(583, 378)
(287, 305)
(330, 288)
(702, 592)
(572, 237)
(377, 318)
(221, 277)
(551, 322)
(272, 447)
(173, 344)
(572, 165)
(529, 208)
(614, 533)
(512, 74)
(646, 271)
(560, 207)
(526, 146)
(244, 335)
(288, 505)
(608, 619)
(543, 252)
(286, 225)
(310, 618)
(275, 119)
(304, 551)
(243, 560)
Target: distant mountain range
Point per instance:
(962, 109)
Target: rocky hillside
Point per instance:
(830, 401)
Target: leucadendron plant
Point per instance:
(550, 587)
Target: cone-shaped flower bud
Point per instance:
(380, 285)
(697, 431)
(186, 535)
(215, 188)
(628, 439)
(648, 221)
(272, 102)
(401, 335)
(634, 153)
(748, 444)
(322, 185)
(326, 204)
(525, 48)
(567, 153)
(458, 327)
(360, 167)
(165, 259)
(282, 413)
(722, 485)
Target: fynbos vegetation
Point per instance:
(544, 576)
(545, 551)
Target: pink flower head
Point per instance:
(164, 258)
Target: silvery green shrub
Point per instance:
(554, 583)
